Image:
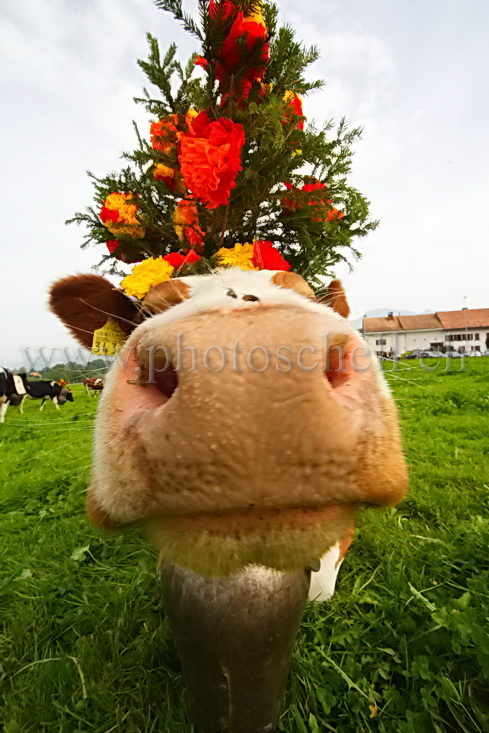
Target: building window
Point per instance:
(476, 336)
(380, 342)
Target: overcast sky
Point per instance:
(414, 74)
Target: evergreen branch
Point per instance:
(175, 7)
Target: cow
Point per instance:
(44, 390)
(94, 384)
(243, 424)
(12, 391)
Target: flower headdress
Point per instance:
(229, 174)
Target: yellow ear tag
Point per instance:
(109, 339)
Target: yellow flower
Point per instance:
(145, 275)
(120, 217)
(240, 256)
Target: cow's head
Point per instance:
(243, 422)
(65, 395)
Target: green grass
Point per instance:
(403, 645)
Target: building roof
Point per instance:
(427, 322)
(475, 318)
(442, 320)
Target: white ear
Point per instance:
(323, 581)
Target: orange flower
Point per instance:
(163, 134)
(210, 158)
(223, 9)
(186, 223)
(334, 213)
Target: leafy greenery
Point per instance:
(275, 151)
(402, 646)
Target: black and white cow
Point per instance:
(13, 390)
(44, 390)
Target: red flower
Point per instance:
(210, 159)
(178, 260)
(319, 203)
(163, 134)
(231, 57)
(288, 205)
(201, 61)
(117, 249)
(313, 186)
(112, 245)
(267, 257)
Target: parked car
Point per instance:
(453, 355)
(485, 353)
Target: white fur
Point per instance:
(210, 291)
(324, 580)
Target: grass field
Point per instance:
(403, 645)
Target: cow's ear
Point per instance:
(336, 299)
(86, 302)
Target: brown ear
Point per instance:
(164, 295)
(293, 281)
(336, 299)
(86, 302)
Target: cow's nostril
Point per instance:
(251, 298)
(337, 370)
(231, 294)
(166, 380)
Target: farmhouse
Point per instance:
(463, 330)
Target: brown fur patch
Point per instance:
(335, 298)
(285, 540)
(164, 295)
(293, 281)
(345, 542)
(84, 303)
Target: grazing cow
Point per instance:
(44, 390)
(94, 385)
(243, 424)
(12, 391)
